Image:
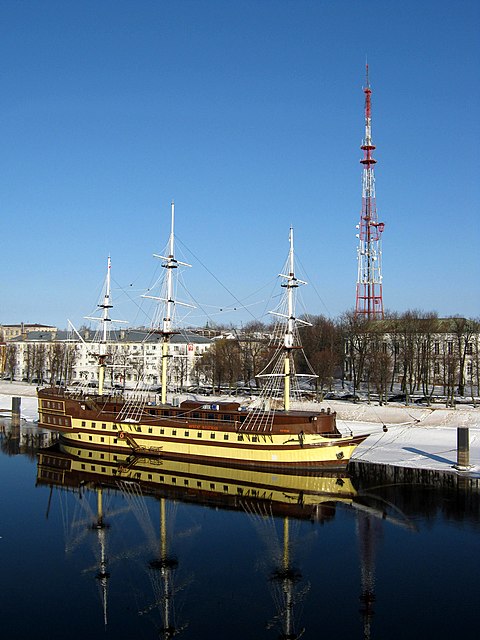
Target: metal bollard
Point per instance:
(16, 412)
(463, 449)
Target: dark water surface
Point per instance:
(93, 547)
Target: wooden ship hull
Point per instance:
(211, 432)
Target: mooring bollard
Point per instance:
(16, 402)
(463, 449)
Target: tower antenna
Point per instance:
(369, 299)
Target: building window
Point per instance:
(90, 438)
(225, 436)
(93, 425)
(104, 426)
(150, 429)
(240, 437)
(187, 433)
(212, 436)
(174, 432)
(83, 423)
(199, 434)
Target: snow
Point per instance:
(416, 437)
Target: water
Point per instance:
(106, 552)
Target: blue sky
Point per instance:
(250, 115)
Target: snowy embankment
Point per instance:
(415, 437)
(411, 436)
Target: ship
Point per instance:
(272, 433)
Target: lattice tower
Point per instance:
(369, 300)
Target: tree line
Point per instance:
(415, 353)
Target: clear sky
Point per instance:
(250, 115)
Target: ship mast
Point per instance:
(105, 330)
(289, 337)
(169, 301)
(105, 321)
(167, 320)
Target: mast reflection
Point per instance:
(269, 499)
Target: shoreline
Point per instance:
(407, 436)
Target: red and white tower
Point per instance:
(369, 303)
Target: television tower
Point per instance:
(369, 302)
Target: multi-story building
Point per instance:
(9, 331)
(133, 355)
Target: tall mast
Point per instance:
(105, 321)
(105, 329)
(290, 285)
(369, 300)
(170, 263)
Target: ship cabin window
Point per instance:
(166, 413)
(114, 426)
(162, 431)
(240, 491)
(212, 486)
(254, 438)
(226, 416)
(225, 436)
(174, 481)
(83, 423)
(90, 454)
(102, 456)
(185, 482)
(104, 469)
(82, 466)
(199, 434)
(240, 437)
(102, 439)
(162, 478)
(242, 418)
(196, 414)
(150, 477)
(93, 425)
(210, 416)
(92, 467)
(152, 412)
(79, 453)
(90, 438)
(187, 433)
(199, 484)
(104, 426)
(114, 442)
(150, 429)
(79, 437)
(115, 457)
(174, 432)
(212, 436)
(225, 488)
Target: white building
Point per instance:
(133, 355)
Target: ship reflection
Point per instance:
(274, 503)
